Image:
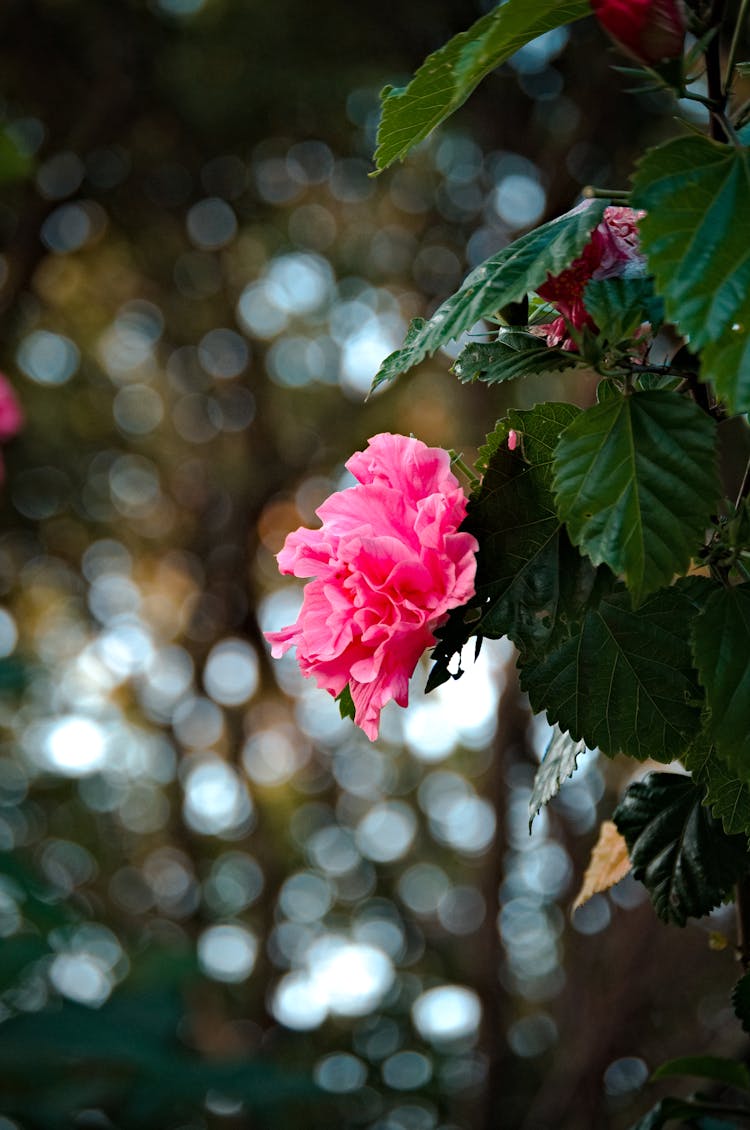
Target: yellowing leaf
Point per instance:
(608, 864)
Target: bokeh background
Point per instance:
(220, 905)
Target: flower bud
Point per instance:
(647, 30)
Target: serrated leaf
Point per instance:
(620, 306)
(636, 482)
(717, 1068)
(506, 277)
(558, 763)
(446, 79)
(696, 236)
(678, 850)
(609, 863)
(721, 638)
(529, 577)
(741, 1001)
(726, 795)
(514, 354)
(623, 679)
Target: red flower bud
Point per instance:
(647, 30)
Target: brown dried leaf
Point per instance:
(608, 864)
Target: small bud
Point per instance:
(647, 30)
(512, 440)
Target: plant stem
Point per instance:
(591, 192)
(457, 461)
(734, 44)
(716, 93)
(743, 486)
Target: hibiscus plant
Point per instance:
(610, 543)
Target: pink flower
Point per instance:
(612, 251)
(387, 565)
(647, 30)
(11, 417)
(11, 414)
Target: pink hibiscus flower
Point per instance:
(612, 250)
(647, 30)
(387, 564)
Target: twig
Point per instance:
(716, 93)
(734, 44)
(743, 485)
(591, 192)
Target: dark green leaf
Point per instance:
(514, 354)
(446, 79)
(506, 277)
(715, 1067)
(697, 240)
(725, 794)
(347, 709)
(559, 762)
(721, 637)
(669, 1109)
(529, 577)
(678, 850)
(741, 1001)
(623, 679)
(636, 482)
(620, 306)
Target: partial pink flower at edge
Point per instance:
(612, 250)
(11, 413)
(649, 31)
(386, 567)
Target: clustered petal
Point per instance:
(613, 250)
(647, 30)
(387, 565)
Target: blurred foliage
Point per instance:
(219, 905)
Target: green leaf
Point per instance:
(446, 79)
(678, 850)
(741, 1001)
(696, 236)
(721, 638)
(715, 1067)
(636, 481)
(620, 306)
(514, 354)
(506, 277)
(623, 678)
(529, 577)
(670, 1109)
(726, 795)
(558, 763)
(347, 709)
